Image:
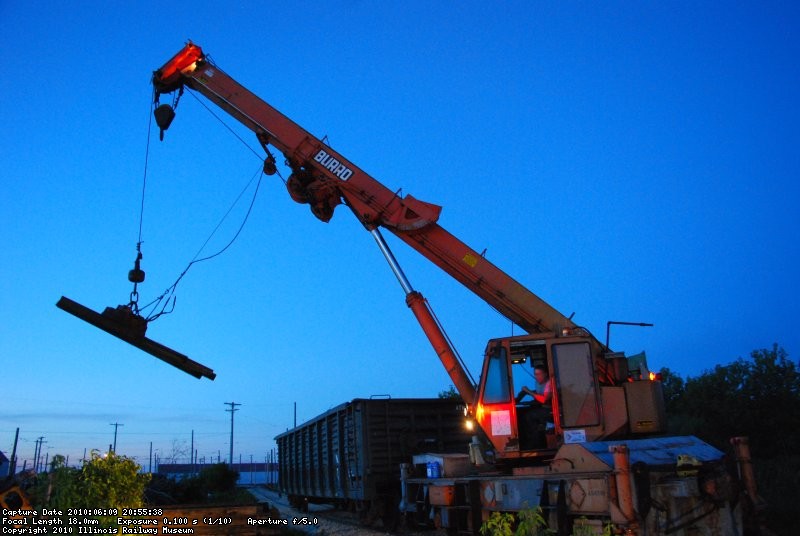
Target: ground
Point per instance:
(326, 526)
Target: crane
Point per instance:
(589, 399)
(598, 454)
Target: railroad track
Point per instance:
(322, 519)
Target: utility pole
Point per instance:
(115, 425)
(150, 466)
(12, 464)
(38, 452)
(232, 410)
(191, 454)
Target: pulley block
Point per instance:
(164, 115)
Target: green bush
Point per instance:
(219, 478)
(528, 522)
(104, 481)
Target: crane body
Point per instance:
(603, 414)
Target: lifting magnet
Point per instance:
(124, 324)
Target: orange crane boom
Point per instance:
(323, 178)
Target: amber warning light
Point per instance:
(184, 61)
(125, 325)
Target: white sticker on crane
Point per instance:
(574, 436)
(501, 423)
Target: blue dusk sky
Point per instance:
(632, 161)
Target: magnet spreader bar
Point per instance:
(123, 324)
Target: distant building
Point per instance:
(249, 473)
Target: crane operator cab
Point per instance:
(592, 395)
(534, 387)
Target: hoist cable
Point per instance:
(164, 299)
(218, 118)
(259, 174)
(134, 296)
(227, 126)
(144, 178)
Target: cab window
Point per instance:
(496, 389)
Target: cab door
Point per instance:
(576, 406)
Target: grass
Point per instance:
(234, 496)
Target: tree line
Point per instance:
(758, 397)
